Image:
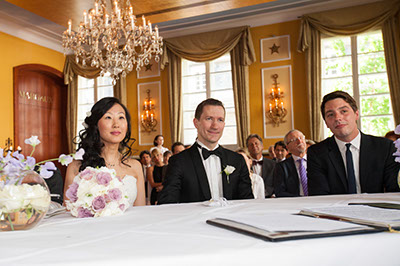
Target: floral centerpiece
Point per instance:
(99, 192)
(24, 196)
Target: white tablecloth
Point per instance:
(178, 235)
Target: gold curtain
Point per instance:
(71, 72)
(343, 22)
(206, 47)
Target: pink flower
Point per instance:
(103, 178)
(122, 207)
(87, 174)
(99, 203)
(84, 213)
(115, 194)
(72, 191)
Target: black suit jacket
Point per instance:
(267, 173)
(378, 171)
(286, 179)
(186, 179)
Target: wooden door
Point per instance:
(40, 99)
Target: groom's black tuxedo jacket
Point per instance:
(378, 171)
(186, 179)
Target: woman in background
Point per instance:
(158, 143)
(257, 183)
(105, 141)
(155, 175)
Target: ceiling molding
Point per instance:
(23, 24)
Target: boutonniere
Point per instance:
(228, 170)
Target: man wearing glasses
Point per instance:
(290, 175)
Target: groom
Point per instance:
(206, 170)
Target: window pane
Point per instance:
(190, 101)
(107, 91)
(377, 126)
(344, 84)
(370, 42)
(371, 63)
(189, 136)
(188, 120)
(375, 105)
(229, 136)
(336, 67)
(105, 80)
(192, 68)
(225, 96)
(373, 83)
(85, 83)
(222, 80)
(195, 83)
(222, 63)
(335, 47)
(86, 96)
(230, 118)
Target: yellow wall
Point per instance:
(15, 52)
(299, 90)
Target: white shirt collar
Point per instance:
(204, 146)
(356, 142)
(295, 157)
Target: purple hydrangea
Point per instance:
(72, 191)
(99, 203)
(103, 178)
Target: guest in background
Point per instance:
(257, 183)
(156, 174)
(349, 161)
(105, 141)
(166, 156)
(177, 147)
(261, 166)
(392, 136)
(290, 176)
(271, 152)
(158, 143)
(145, 160)
(200, 172)
(309, 142)
(280, 151)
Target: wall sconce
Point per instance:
(8, 146)
(148, 121)
(276, 111)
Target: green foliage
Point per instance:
(372, 84)
(377, 126)
(371, 63)
(376, 105)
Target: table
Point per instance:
(177, 234)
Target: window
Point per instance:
(208, 80)
(357, 65)
(89, 92)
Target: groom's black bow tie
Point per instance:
(206, 153)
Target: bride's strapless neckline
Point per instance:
(130, 187)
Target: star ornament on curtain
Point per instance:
(148, 67)
(274, 49)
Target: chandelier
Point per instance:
(147, 119)
(113, 42)
(276, 111)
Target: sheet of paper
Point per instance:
(361, 212)
(277, 222)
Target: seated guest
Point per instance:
(309, 142)
(145, 160)
(156, 174)
(290, 176)
(392, 136)
(271, 152)
(280, 151)
(177, 147)
(261, 166)
(201, 172)
(158, 143)
(166, 157)
(257, 183)
(349, 161)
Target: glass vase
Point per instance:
(23, 204)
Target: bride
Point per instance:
(105, 141)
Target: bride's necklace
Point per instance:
(111, 164)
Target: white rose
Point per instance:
(11, 198)
(41, 198)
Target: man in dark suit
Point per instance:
(349, 161)
(206, 170)
(290, 175)
(261, 166)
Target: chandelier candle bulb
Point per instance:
(144, 22)
(84, 17)
(270, 107)
(279, 91)
(151, 30)
(273, 92)
(69, 26)
(96, 8)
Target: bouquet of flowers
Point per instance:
(98, 192)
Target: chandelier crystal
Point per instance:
(113, 42)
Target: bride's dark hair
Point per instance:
(90, 136)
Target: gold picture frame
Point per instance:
(149, 71)
(275, 49)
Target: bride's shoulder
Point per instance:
(74, 166)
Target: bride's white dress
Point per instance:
(131, 188)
